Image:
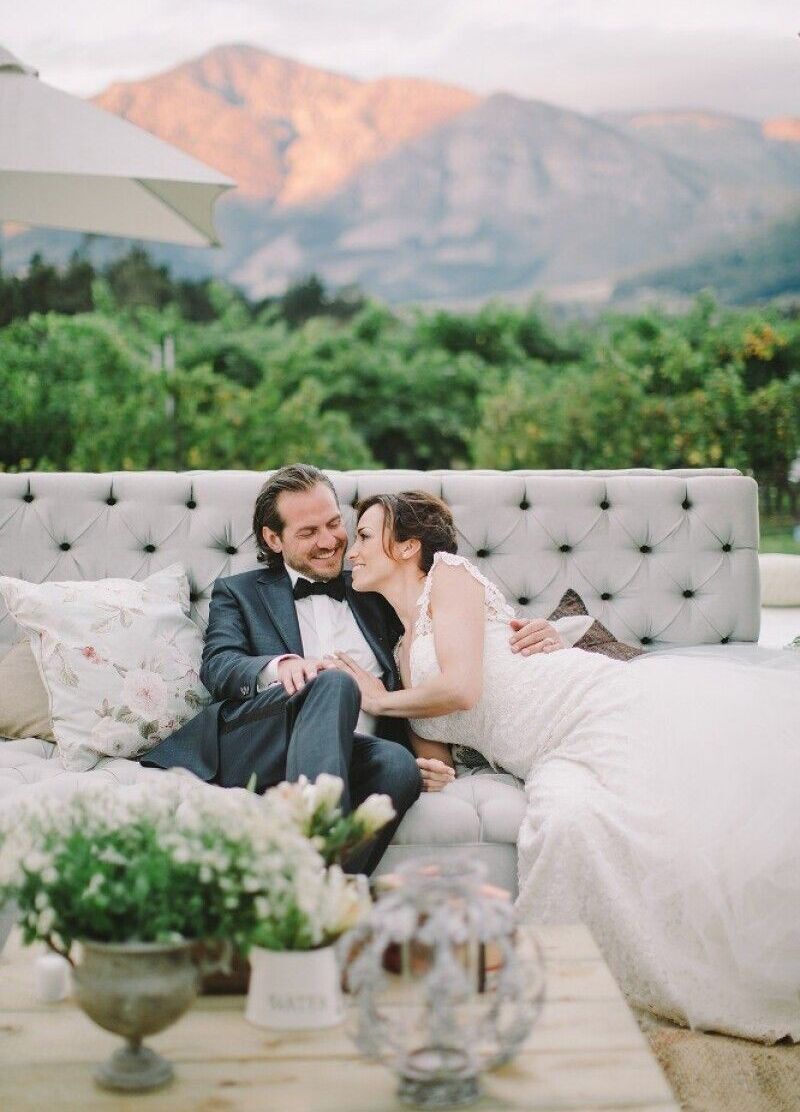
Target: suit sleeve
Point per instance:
(228, 669)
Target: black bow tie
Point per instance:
(334, 588)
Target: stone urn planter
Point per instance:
(135, 989)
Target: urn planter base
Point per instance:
(134, 1068)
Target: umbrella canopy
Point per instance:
(65, 163)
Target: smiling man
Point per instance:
(278, 712)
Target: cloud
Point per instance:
(586, 54)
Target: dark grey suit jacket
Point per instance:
(252, 619)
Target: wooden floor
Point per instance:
(585, 1053)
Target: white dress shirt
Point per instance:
(327, 626)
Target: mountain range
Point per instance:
(421, 191)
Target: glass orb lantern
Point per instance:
(441, 986)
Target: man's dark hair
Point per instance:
(293, 478)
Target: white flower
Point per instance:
(35, 862)
(145, 693)
(345, 903)
(46, 921)
(374, 813)
(94, 885)
(325, 792)
(114, 738)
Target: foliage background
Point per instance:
(344, 382)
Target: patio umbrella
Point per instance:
(65, 163)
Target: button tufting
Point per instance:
(605, 504)
(605, 596)
(231, 550)
(645, 548)
(524, 505)
(686, 504)
(65, 546)
(149, 548)
(727, 547)
(647, 640)
(523, 601)
(688, 594)
(724, 640)
(565, 548)
(191, 504)
(27, 497)
(482, 553)
(111, 501)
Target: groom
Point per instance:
(276, 713)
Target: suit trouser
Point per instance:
(320, 723)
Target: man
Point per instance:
(277, 712)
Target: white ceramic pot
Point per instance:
(294, 989)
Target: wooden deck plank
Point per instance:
(568, 1082)
(65, 1034)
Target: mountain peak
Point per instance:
(286, 132)
(783, 129)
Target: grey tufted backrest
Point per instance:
(661, 557)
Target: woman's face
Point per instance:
(372, 565)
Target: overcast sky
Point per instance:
(740, 56)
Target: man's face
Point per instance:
(314, 538)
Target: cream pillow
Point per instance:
(24, 702)
(120, 660)
(780, 579)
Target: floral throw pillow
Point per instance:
(119, 658)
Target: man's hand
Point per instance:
(295, 672)
(534, 636)
(435, 774)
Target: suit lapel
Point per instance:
(275, 588)
(366, 613)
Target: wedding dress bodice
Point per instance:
(537, 696)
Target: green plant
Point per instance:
(177, 859)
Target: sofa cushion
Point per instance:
(120, 659)
(24, 702)
(483, 807)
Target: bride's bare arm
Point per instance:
(457, 609)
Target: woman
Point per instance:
(663, 794)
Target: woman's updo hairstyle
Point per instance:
(415, 515)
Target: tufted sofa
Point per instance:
(668, 560)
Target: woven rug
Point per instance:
(716, 1073)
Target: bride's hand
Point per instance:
(435, 774)
(373, 692)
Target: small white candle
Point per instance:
(51, 978)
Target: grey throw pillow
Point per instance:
(597, 638)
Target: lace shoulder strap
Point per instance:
(496, 605)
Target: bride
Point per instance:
(663, 794)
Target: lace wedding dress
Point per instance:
(663, 811)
